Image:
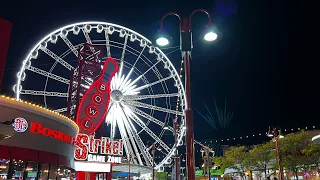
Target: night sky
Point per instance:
(265, 65)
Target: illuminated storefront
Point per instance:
(42, 144)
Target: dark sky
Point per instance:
(265, 64)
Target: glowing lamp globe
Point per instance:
(162, 41)
(162, 38)
(210, 36)
(281, 136)
(166, 127)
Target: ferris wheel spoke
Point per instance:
(138, 78)
(47, 74)
(124, 84)
(147, 116)
(61, 110)
(112, 129)
(57, 58)
(124, 134)
(144, 151)
(124, 138)
(69, 44)
(122, 55)
(106, 34)
(151, 84)
(138, 121)
(110, 119)
(41, 93)
(132, 69)
(86, 35)
(148, 106)
(140, 97)
(130, 133)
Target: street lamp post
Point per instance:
(186, 48)
(177, 158)
(275, 133)
(153, 152)
(129, 161)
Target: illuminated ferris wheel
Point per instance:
(145, 92)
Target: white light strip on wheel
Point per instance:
(66, 27)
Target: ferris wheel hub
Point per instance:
(116, 95)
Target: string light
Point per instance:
(256, 135)
(180, 75)
(40, 108)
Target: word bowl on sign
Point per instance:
(101, 158)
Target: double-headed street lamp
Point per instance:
(186, 48)
(275, 134)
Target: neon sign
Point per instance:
(98, 150)
(94, 103)
(38, 128)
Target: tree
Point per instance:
(250, 162)
(292, 148)
(235, 157)
(297, 152)
(263, 154)
(222, 162)
(314, 153)
(161, 176)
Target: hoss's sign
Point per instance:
(87, 148)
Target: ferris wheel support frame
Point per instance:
(88, 69)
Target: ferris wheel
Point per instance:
(145, 92)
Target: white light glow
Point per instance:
(91, 167)
(281, 136)
(270, 135)
(162, 41)
(75, 28)
(210, 36)
(316, 137)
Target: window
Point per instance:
(31, 170)
(17, 169)
(53, 172)
(63, 173)
(4, 167)
(44, 172)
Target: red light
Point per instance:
(94, 109)
(86, 124)
(97, 99)
(102, 87)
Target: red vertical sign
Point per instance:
(5, 31)
(95, 102)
